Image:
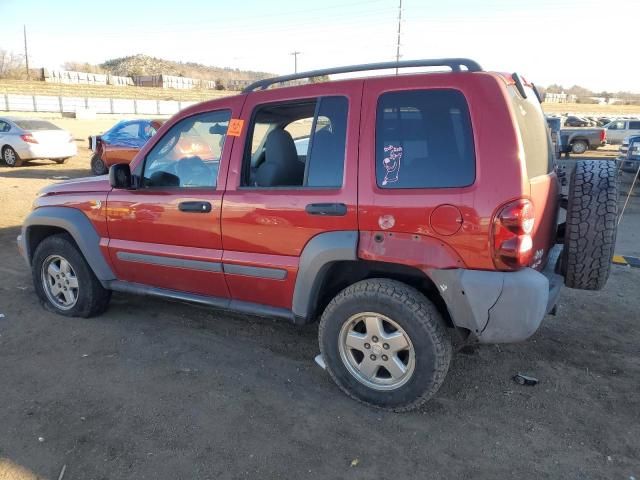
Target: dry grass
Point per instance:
(24, 87)
(594, 109)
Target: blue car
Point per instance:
(630, 154)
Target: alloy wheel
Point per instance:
(60, 282)
(376, 351)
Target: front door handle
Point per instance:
(194, 207)
(327, 209)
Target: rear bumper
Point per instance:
(501, 307)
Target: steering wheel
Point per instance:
(193, 172)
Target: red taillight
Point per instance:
(603, 134)
(27, 137)
(511, 235)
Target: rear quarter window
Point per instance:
(536, 142)
(36, 125)
(424, 139)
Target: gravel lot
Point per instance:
(163, 390)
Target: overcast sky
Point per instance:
(592, 43)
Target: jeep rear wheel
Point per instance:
(64, 280)
(385, 344)
(591, 226)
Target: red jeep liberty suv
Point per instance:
(397, 209)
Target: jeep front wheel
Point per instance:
(385, 344)
(64, 280)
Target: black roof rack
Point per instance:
(453, 63)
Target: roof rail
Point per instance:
(453, 63)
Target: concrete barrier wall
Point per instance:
(52, 104)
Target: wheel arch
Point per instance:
(579, 139)
(46, 221)
(329, 264)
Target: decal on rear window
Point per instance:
(391, 163)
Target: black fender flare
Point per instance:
(76, 224)
(316, 258)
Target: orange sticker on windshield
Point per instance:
(235, 127)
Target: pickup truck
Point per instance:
(618, 130)
(578, 140)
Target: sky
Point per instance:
(592, 43)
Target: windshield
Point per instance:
(36, 125)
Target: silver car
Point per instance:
(23, 139)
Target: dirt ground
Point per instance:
(163, 390)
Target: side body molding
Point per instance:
(79, 227)
(317, 256)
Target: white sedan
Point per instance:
(23, 139)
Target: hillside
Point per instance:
(146, 65)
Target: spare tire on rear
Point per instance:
(591, 226)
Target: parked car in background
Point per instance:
(24, 139)
(554, 124)
(120, 143)
(575, 121)
(579, 140)
(629, 154)
(603, 121)
(619, 129)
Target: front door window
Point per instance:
(188, 155)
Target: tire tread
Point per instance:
(591, 227)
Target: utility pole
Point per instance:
(26, 53)
(399, 29)
(295, 60)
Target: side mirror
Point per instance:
(120, 176)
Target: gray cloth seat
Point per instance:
(281, 166)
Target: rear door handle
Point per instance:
(194, 207)
(327, 209)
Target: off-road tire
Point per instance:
(415, 314)
(97, 165)
(17, 161)
(591, 226)
(579, 147)
(93, 298)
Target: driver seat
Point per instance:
(281, 166)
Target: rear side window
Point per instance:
(297, 144)
(536, 142)
(634, 125)
(424, 139)
(326, 152)
(35, 125)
